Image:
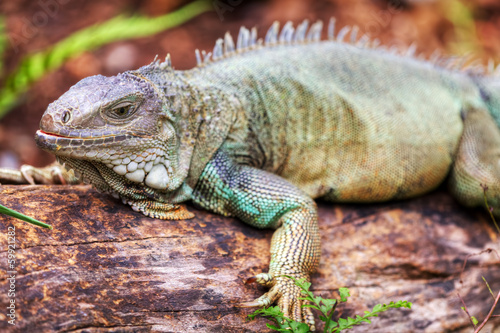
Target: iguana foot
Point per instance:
(51, 174)
(286, 294)
(161, 210)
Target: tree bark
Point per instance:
(107, 268)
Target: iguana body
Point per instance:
(259, 131)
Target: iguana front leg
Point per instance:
(265, 200)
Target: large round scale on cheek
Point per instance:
(136, 176)
(158, 177)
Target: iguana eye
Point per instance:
(66, 116)
(121, 111)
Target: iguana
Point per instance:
(259, 129)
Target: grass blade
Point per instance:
(35, 65)
(17, 215)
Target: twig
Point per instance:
(496, 299)
(487, 285)
(466, 311)
(488, 250)
(490, 314)
(490, 210)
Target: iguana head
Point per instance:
(119, 133)
(117, 121)
(137, 134)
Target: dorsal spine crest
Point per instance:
(247, 40)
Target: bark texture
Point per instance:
(106, 268)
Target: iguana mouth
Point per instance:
(54, 142)
(51, 134)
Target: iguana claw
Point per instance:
(285, 293)
(262, 278)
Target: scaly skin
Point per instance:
(260, 131)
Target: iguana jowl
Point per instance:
(258, 129)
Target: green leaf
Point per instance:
(350, 322)
(329, 301)
(282, 324)
(342, 323)
(344, 294)
(305, 285)
(275, 328)
(331, 325)
(324, 309)
(317, 299)
(17, 215)
(272, 311)
(474, 320)
(299, 327)
(361, 319)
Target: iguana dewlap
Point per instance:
(259, 129)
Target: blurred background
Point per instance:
(454, 27)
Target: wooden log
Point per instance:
(107, 268)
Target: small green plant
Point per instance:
(326, 307)
(496, 299)
(17, 215)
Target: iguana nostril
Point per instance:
(66, 116)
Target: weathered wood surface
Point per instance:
(106, 268)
